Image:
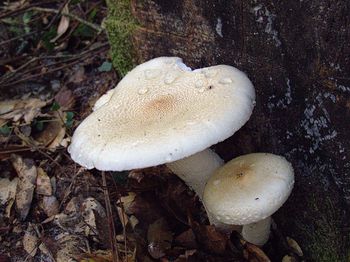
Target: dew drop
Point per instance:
(225, 80)
(210, 73)
(169, 78)
(201, 90)
(151, 73)
(142, 91)
(254, 103)
(199, 83)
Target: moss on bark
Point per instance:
(119, 25)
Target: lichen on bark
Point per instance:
(119, 26)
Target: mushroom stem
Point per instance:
(257, 233)
(196, 169)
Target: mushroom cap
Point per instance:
(249, 188)
(161, 111)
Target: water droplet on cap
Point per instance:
(210, 73)
(225, 80)
(142, 91)
(151, 73)
(169, 78)
(199, 83)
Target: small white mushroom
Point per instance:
(162, 112)
(250, 189)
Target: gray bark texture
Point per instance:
(297, 54)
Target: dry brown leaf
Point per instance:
(187, 239)
(65, 99)
(58, 139)
(12, 6)
(295, 246)
(208, 237)
(50, 205)
(159, 238)
(8, 193)
(126, 201)
(27, 173)
(7, 189)
(28, 109)
(89, 206)
(288, 258)
(63, 25)
(70, 247)
(43, 183)
(253, 253)
(30, 241)
(7, 106)
(49, 133)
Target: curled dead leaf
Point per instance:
(50, 205)
(43, 183)
(89, 207)
(295, 246)
(65, 99)
(18, 108)
(63, 25)
(30, 241)
(254, 253)
(159, 238)
(7, 190)
(27, 173)
(208, 237)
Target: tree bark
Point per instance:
(297, 54)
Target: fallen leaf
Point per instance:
(18, 108)
(253, 253)
(208, 237)
(49, 133)
(12, 6)
(30, 241)
(187, 239)
(43, 183)
(159, 238)
(27, 173)
(65, 99)
(288, 258)
(295, 246)
(89, 206)
(70, 247)
(7, 189)
(50, 205)
(63, 25)
(8, 193)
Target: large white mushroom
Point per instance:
(247, 191)
(163, 112)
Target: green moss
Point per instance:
(119, 25)
(324, 237)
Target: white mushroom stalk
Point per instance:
(247, 191)
(162, 112)
(195, 170)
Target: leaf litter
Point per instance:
(53, 210)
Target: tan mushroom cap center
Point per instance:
(249, 188)
(163, 113)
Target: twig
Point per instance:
(122, 207)
(49, 10)
(43, 73)
(115, 255)
(25, 8)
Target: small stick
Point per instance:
(115, 255)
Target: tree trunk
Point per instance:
(297, 54)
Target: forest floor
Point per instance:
(54, 64)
